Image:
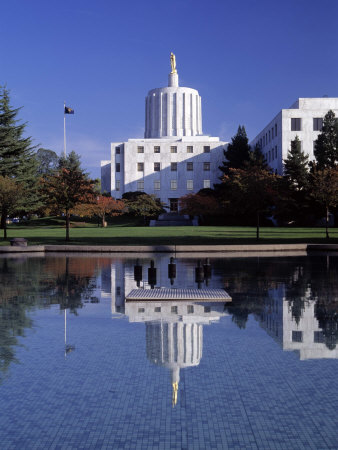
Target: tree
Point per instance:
(257, 159)
(296, 166)
(144, 205)
(199, 204)
(17, 159)
(326, 146)
(10, 194)
(324, 189)
(67, 187)
(237, 152)
(100, 206)
(251, 191)
(47, 161)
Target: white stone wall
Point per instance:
(129, 158)
(305, 109)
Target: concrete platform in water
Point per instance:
(198, 295)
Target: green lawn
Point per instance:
(89, 234)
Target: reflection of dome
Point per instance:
(174, 345)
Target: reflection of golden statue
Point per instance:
(173, 63)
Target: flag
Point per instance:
(69, 110)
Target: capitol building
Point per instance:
(175, 158)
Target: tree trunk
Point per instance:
(5, 231)
(257, 229)
(3, 219)
(327, 223)
(103, 220)
(67, 224)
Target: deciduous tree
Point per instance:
(101, 206)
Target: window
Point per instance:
(118, 290)
(118, 167)
(206, 166)
(117, 150)
(190, 185)
(141, 310)
(157, 149)
(140, 185)
(190, 309)
(157, 185)
(157, 309)
(275, 129)
(174, 309)
(296, 124)
(269, 136)
(140, 149)
(318, 337)
(173, 167)
(263, 141)
(190, 166)
(317, 123)
(173, 185)
(140, 167)
(206, 149)
(157, 167)
(276, 152)
(190, 149)
(272, 133)
(206, 184)
(297, 336)
(173, 149)
(207, 309)
(117, 185)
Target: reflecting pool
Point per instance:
(81, 367)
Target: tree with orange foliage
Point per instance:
(100, 206)
(200, 204)
(67, 187)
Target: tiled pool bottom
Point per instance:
(245, 393)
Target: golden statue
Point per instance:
(173, 63)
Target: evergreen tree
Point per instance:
(17, 159)
(237, 153)
(296, 166)
(257, 159)
(326, 147)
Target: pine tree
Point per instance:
(17, 159)
(237, 153)
(296, 166)
(326, 147)
(257, 159)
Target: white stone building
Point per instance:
(174, 158)
(303, 119)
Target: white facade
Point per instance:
(174, 158)
(302, 119)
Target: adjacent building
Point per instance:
(303, 119)
(175, 158)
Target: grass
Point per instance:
(53, 232)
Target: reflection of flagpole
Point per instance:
(64, 129)
(65, 332)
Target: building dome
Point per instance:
(173, 111)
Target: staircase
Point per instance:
(173, 220)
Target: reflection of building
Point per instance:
(174, 158)
(306, 336)
(174, 329)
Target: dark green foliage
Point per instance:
(47, 161)
(17, 159)
(237, 153)
(326, 148)
(70, 162)
(257, 159)
(296, 166)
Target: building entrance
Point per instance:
(173, 204)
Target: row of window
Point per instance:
(157, 185)
(173, 149)
(318, 337)
(174, 309)
(296, 124)
(173, 167)
(268, 137)
(271, 155)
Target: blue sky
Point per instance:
(248, 59)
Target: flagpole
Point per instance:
(64, 129)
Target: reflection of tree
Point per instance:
(295, 291)
(29, 283)
(327, 316)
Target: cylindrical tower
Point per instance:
(173, 111)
